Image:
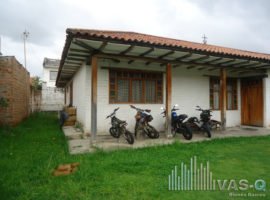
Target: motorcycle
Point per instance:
(143, 117)
(204, 123)
(119, 128)
(178, 123)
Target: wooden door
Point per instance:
(252, 102)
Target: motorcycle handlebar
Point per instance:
(114, 111)
(140, 110)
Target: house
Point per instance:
(102, 70)
(52, 97)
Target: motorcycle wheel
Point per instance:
(129, 137)
(207, 130)
(187, 133)
(152, 132)
(114, 132)
(173, 131)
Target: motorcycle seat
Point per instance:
(121, 121)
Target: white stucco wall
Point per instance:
(266, 86)
(189, 88)
(125, 112)
(52, 98)
(46, 76)
(82, 95)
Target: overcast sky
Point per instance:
(242, 24)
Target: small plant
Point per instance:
(3, 102)
(78, 126)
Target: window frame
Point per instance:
(159, 77)
(235, 97)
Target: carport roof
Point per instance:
(82, 43)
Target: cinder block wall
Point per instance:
(15, 87)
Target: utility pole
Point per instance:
(0, 46)
(25, 36)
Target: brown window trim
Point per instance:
(234, 81)
(146, 75)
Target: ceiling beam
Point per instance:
(191, 67)
(166, 54)
(103, 46)
(184, 56)
(224, 62)
(79, 50)
(156, 60)
(75, 59)
(84, 45)
(262, 67)
(214, 60)
(227, 62)
(213, 69)
(200, 59)
(241, 64)
(127, 50)
(147, 52)
(77, 55)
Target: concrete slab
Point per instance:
(78, 146)
(108, 143)
(71, 133)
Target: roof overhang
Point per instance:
(80, 48)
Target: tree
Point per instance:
(36, 83)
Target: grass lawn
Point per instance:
(33, 149)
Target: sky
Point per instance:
(241, 24)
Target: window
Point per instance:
(130, 86)
(231, 94)
(53, 75)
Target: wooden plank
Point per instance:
(200, 59)
(166, 54)
(103, 46)
(147, 52)
(71, 94)
(127, 50)
(65, 96)
(168, 98)
(223, 97)
(94, 98)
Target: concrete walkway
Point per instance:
(79, 143)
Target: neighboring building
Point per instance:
(52, 97)
(14, 91)
(102, 70)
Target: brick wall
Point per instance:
(15, 87)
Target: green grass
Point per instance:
(30, 151)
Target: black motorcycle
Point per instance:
(204, 123)
(143, 118)
(178, 123)
(119, 128)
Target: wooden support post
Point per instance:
(94, 99)
(168, 98)
(65, 95)
(223, 97)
